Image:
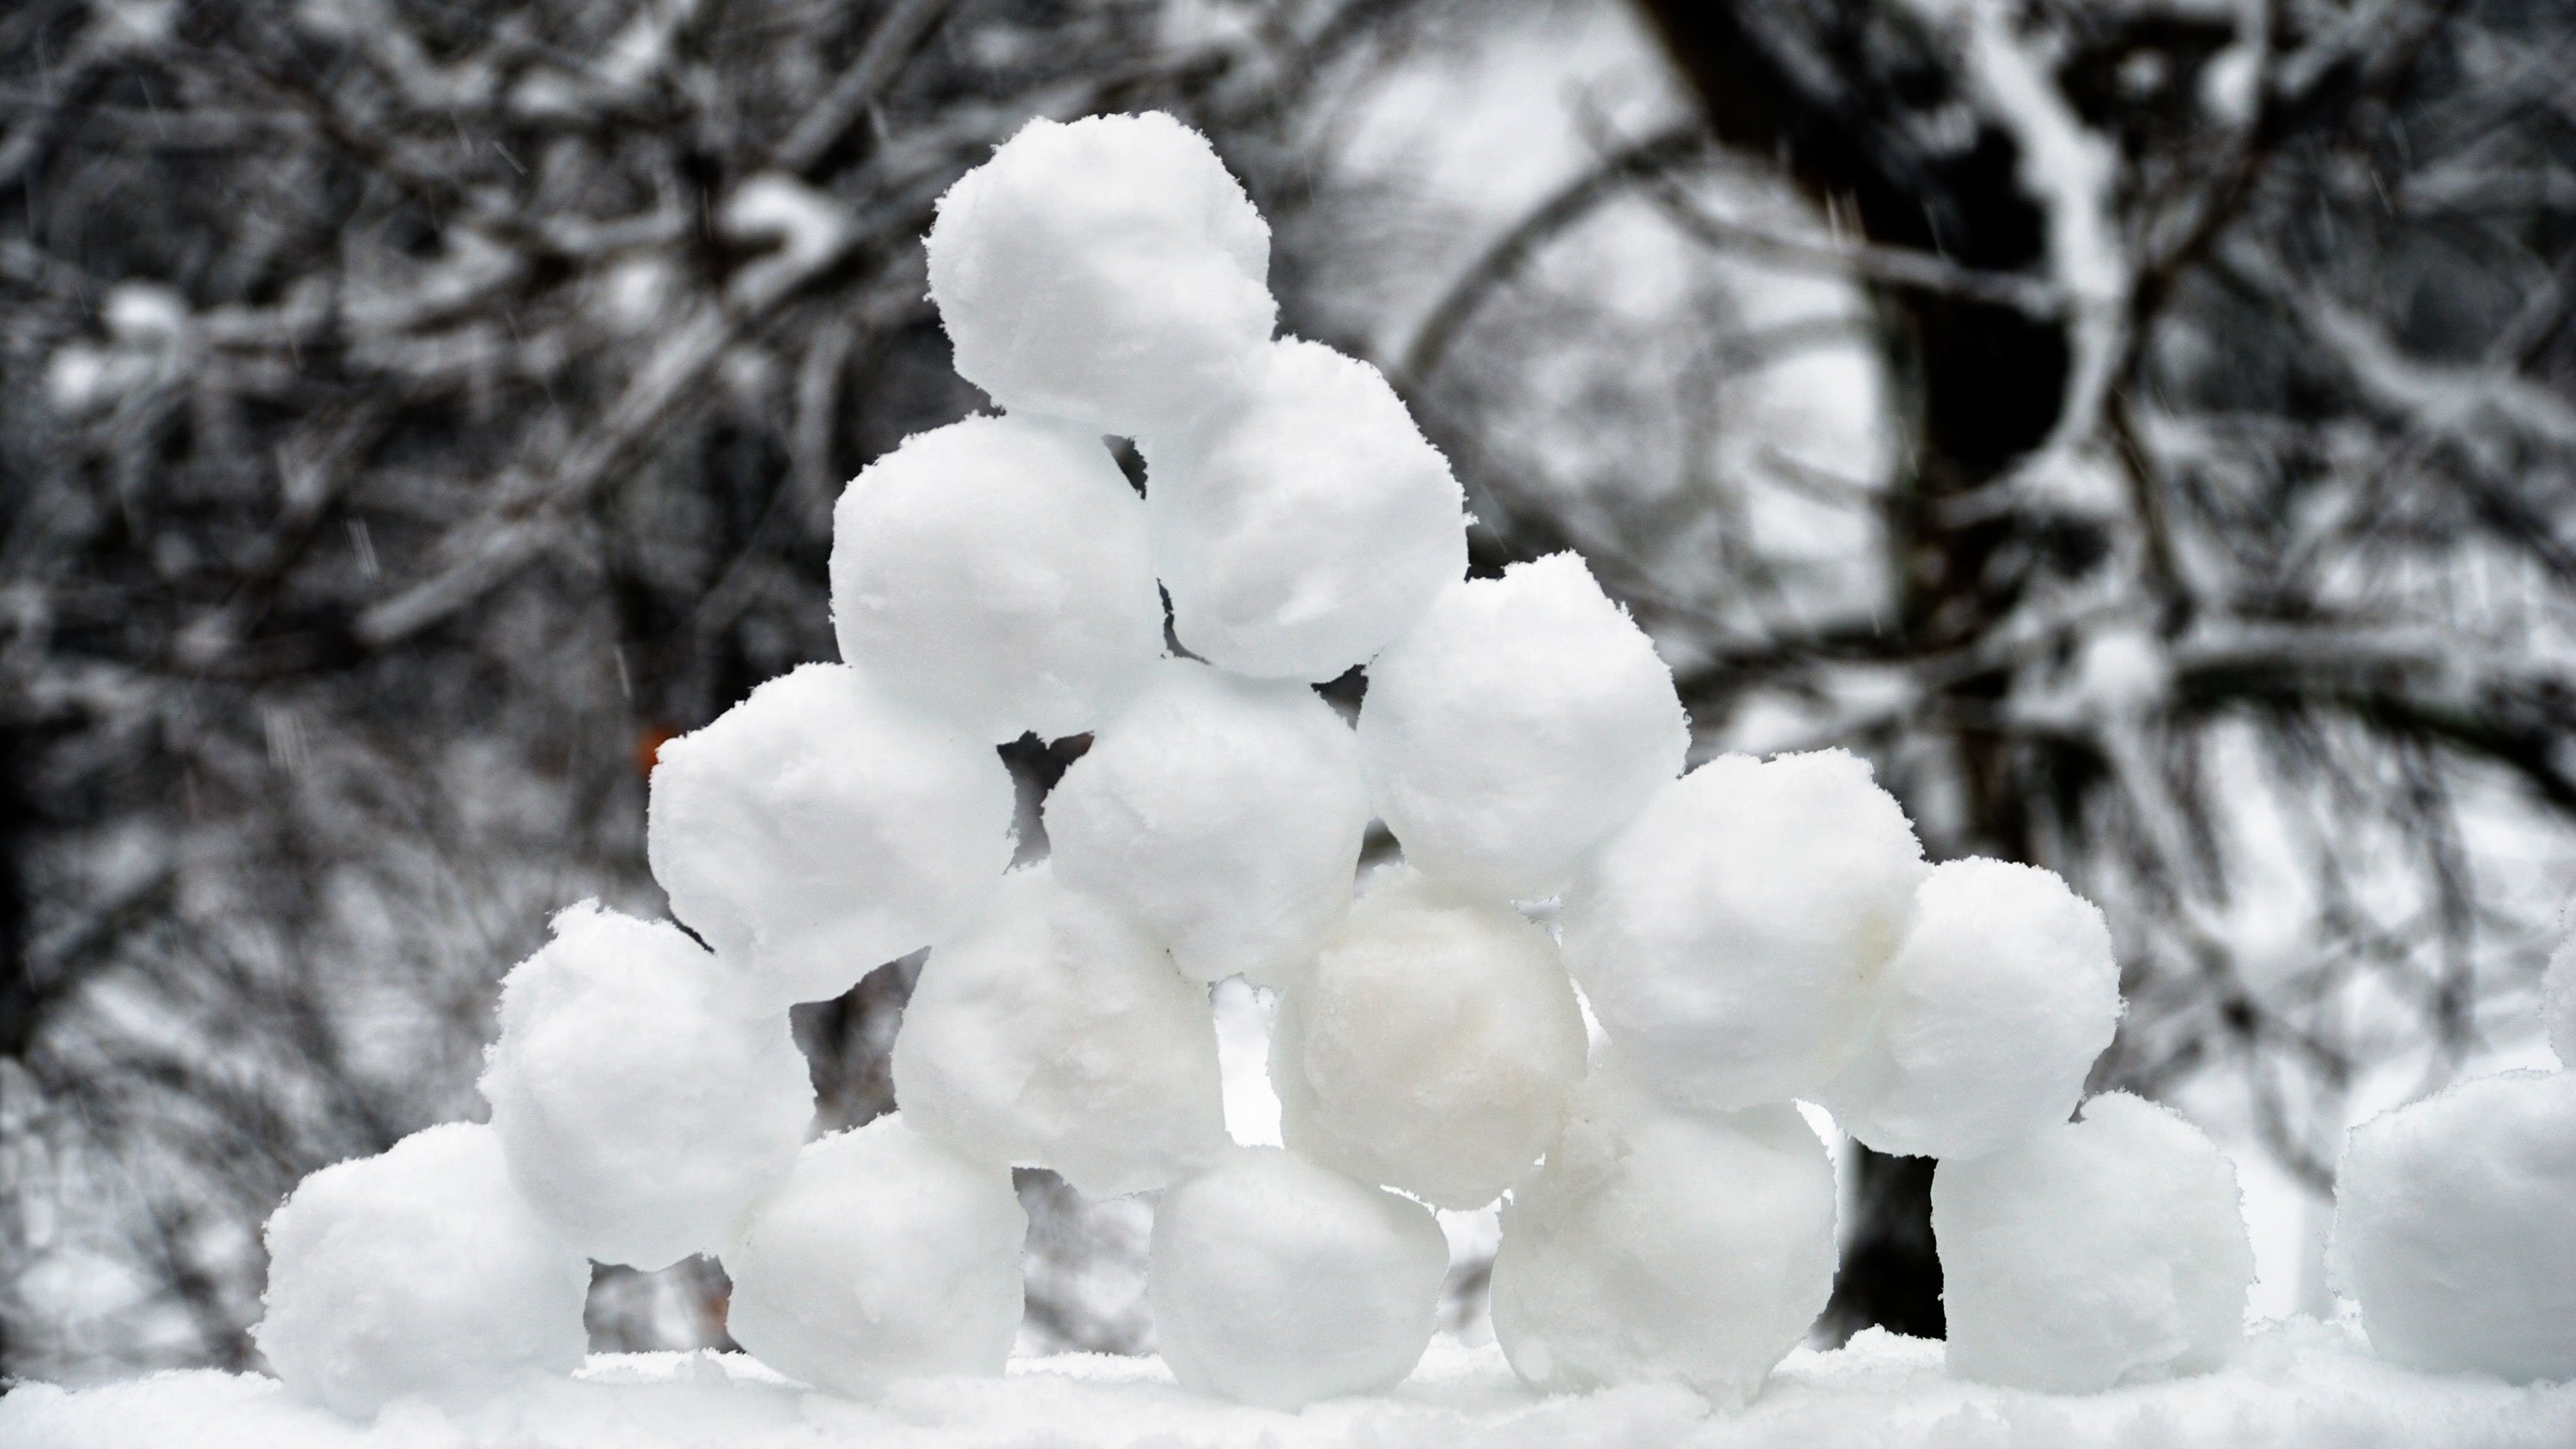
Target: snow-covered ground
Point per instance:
(2297, 1383)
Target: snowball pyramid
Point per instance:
(2106, 1251)
(1521, 723)
(1054, 1033)
(1108, 271)
(817, 830)
(418, 1273)
(640, 1111)
(994, 571)
(1432, 1046)
(1731, 938)
(2455, 1228)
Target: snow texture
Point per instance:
(1276, 1282)
(1225, 814)
(2105, 1251)
(995, 572)
(2455, 1228)
(817, 830)
(1109, 271)
(1992, 1011)
(639, 1111)
(1056, 1034)
(1729, 941)
(1432, 1047)
(1305, 524)
(1660, 1247)
(2558, 1002)
(1520, 724)
(418, 1273)
(882, 1256)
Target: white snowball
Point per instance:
(994, 571)
(1225, 814)
(418, 1273)
(1992, 1011)
(1276, 1282)
(2106, 1251)
(1656, 1246)
(1054, 1033)
(640, 1112)
(1108, 271)
(817, 830)
(882, 1256)
(2558, 1002)
(1731, 938)
(1520, 724)
(1305, 524)
(1431, 1048)
(2455, 1229)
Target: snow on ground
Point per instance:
(2298, 1383)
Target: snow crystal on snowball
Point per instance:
(818, 830)
(1225, 814)
(995, 571)
(884, 1255)
(1730, 939)
(1432, 1046)
(2106, 1251)
(2558, 1002)
(1991, 1012)
(1276, 1282)
(1053, 1033)
(1657, 1246)
(1109, 271)
(1520, 724)
(1304, 525)
(418, 1273)
(640, 1111)
(2455, 1228)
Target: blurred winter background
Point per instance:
(2145, 428)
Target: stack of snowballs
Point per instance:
(1749, 934)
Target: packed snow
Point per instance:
(883, 1256)
(418, 1273)
(1524, 720)
(1990, 1015)
(1225, 813)
(640, 1109)
(2455, 1228)
(2558, 1002)
(1731, 938)
(1054, 1033)
(1306, 523)
(1275, 1282)
(2105, 1251)
(818, 829)
(995, 571)
(1659, 1247)
(1431, 1047)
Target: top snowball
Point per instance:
(1109, 271)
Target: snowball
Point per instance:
(2455, 1228)
(1992, 1011)
(1225, 814)
(1055, 1034)
(1304, 525)
(1519, 725)
(1432, 1046)
(1109, 271)
(418, 1273)
(817, 830)
(2106, 1251)
(882, 1256)
(2558, 1002)
(995, 572)
(639, 1111)
(1277, 1282)
(1655, 1246)
(1730, 939)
